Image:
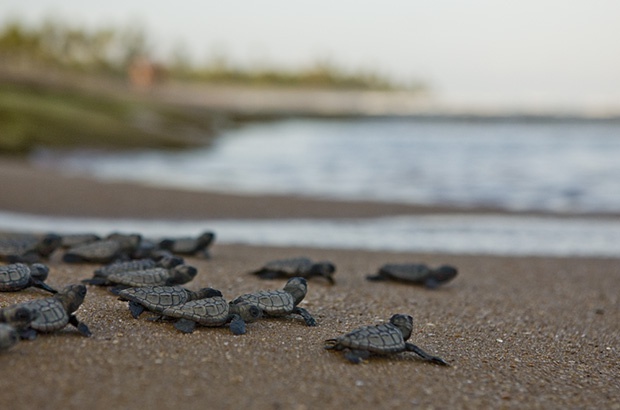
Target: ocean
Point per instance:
(542, 164)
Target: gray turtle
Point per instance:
(76, 239)
(419, 274)
(157, 298)
(213, 312)
(55, 312)
(189, 245)
(113, 247)
(293, 267)
(383, 339)
(8, 336)
(100, 277)
(28, 248)
(281, 302)
(178, 275)
(20, 276)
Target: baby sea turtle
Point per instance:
(76, 239)
(19, 317)
(20, 276)
(157, 298)
(55, 312)
(113, 247)
(383, 339)
(415, 273)
(281, 302)
(213, 312)
(189, 245)
(8, 336)
(293, 267)
(178, 275)
(100, 276)
(28, 248)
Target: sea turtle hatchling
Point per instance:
(100, 277)
(292, 267)
(189, 245)
(18, 276)
(19, 317)
(416, 273)
(113, 247)
(8, 336)
(213, 312)
(55, 312)
(157, 298)
(383, 339)
(281, 302)
(28, 248)
(177, 275)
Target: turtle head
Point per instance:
(206, 293)
(404, 323)
(205, 239)
(48, 244)
(72, 297)
(39, 271)
(168, 260)
(298, 287)
(8, 336)
(248, 312)
(442, 274)
(324, 269)
(182, 274)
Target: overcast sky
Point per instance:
(514, 53)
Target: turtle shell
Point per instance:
(125, 266)
(271, 302)
(139, 278)
(207, 312)
(156, 298)
(292, 266)
(51, 314)
(100, 251)
(411, 272)
(381, 339)
(14, 277)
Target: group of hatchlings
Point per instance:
(149, 275)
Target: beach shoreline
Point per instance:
(518, 332)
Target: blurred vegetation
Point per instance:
(112, 50)
(35, 111)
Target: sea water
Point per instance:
(554, 165)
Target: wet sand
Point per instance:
(536, 332)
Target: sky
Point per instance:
(525, 53)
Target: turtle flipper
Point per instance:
(115, 290)
(356, 356)
(96, 281)
(185, 325)
(80, 326)
(44, 286)
(135, 308)
(376, 278)
(28, 334)
(310, 321)
(237, 325)
(431, 282)
(434, 359)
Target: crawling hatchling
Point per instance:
(18, 276)
(158, 298)
(55, 312)
(292, 267)
(281, 302)
(213, 312)
(28, 248)
(19, 317)
(198, 246)
(416, 273)
(100, 276)
(177, 275)
(383, 339)
(112, 248)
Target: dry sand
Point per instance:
(518, 332)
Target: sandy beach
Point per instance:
(536, 332)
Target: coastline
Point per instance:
(522, 332)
